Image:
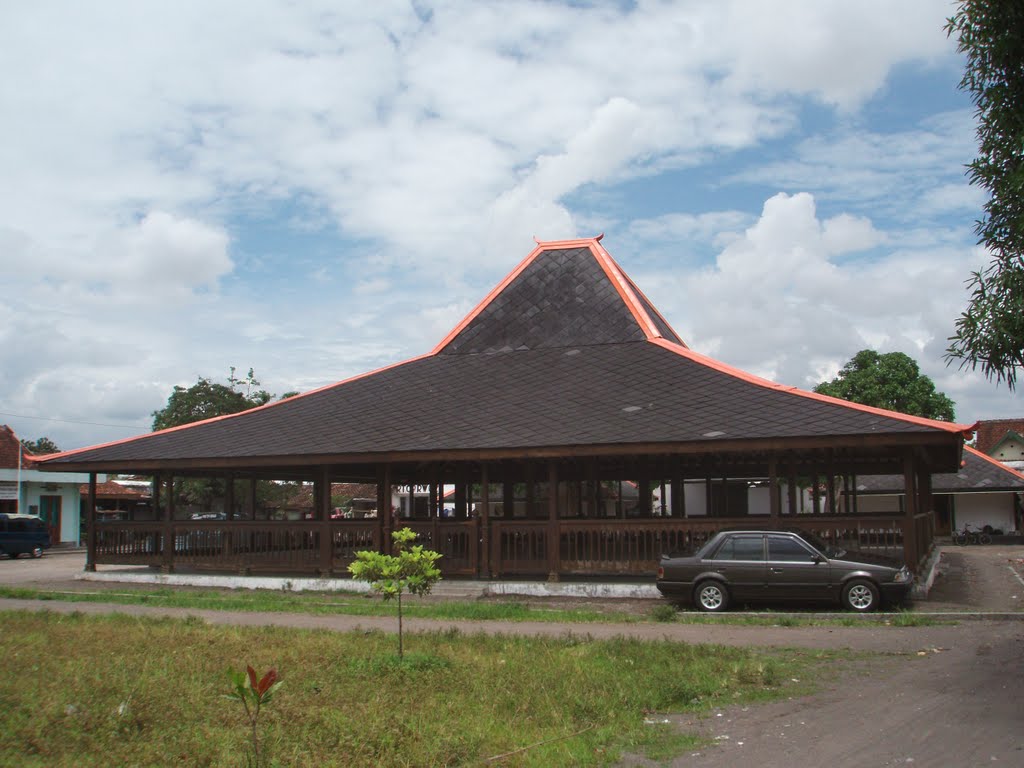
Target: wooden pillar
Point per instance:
(927, 504)
(678, 491)
(910, 494)
(830, 488)
(553, 533)
(461, 505)
(323, 515)
(508, 491)
(227, 537)
(531, 490)
(815, 495)
(708, 497)
(251, 501)
(229, 497)
(774, 490)
(167, 563)
(484, 521)
(791, 484)
(384, 508)
(90, 525)
(676, 494)
(643, 488)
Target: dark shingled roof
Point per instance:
(979, 473)
(565, 352)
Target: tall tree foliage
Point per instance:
(206, 399)
(891, 381)
(990, 332)
(40, 447)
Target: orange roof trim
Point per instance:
(627, 290)
(235, 415)
(998, 463)
(696, 357)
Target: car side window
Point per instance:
(785, 549)
(746, 548)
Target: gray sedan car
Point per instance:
(769, 565)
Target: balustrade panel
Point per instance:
(457, 541)
(519, 548)
(119, 543)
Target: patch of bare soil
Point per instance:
(977, 578)
(954, 704)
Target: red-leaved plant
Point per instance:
(254, 692)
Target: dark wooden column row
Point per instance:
(90, 525)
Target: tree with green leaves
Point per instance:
(990, 332)
(412, 569)
(892, 381)
(40, 447)
(207, 399)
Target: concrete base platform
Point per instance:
(448, 588)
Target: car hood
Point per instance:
(852, 557)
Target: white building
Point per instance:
(54, 496)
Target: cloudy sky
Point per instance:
(315, 190)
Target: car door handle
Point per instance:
(778, 570)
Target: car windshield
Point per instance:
(821, 545)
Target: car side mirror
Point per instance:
(816, 558)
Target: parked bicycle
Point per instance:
(970, 536)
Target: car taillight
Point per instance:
(661, 572)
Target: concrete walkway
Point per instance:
(872, 636)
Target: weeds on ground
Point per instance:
(254, 693)
(455, 699)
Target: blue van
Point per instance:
(21, 534)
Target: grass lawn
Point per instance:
(117, 690)
(277, 601)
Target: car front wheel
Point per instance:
(37, 551)
(711, 596)
(860, 595)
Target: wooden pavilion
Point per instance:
(562, 387)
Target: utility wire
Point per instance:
(69, 421)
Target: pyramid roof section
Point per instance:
(566, 354)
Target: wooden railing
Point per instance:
(875, 533)
(519, 548)
(624, 547)
(349, 537)
(515, 548)
(456, 540)
(129, 543)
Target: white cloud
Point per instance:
(783, 301)
(436, 138)
(164, 254)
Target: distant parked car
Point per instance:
(20, 534)
(769, 565)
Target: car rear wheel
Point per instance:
(711, 596)
(860, 595)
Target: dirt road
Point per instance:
(956, 706)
